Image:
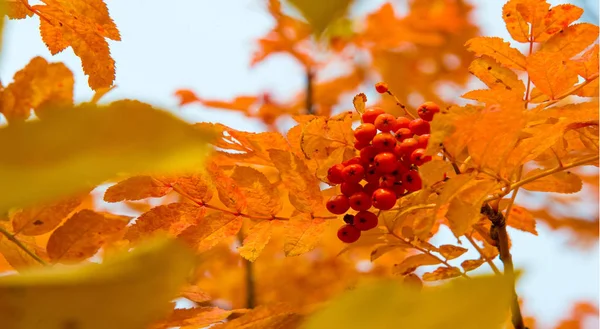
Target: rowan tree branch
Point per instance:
(248, 278)
(20, 244)
(309, 91)
(555, 170)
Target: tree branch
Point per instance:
(20, 244)
(309, 91)
(249, 278)
(553, 171)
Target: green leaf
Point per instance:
(77, 148)
(320, 14)
(481, 302)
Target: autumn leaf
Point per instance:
(518, 14)
(499, 50)
(211, 230)
(275, 316)
(40, 86)
(561, 182)
(496, 76)
(359, 103)
(228, 189)
(410, 263)
(470, 304)
(571, 41)
(256, 240)
(471, 264)
(198, 317)
(195, 294)
(136, 188)
(17, 10)
(93, 296)
(521, 219)
(305, 194)
(556, 20)
(262, 197)
(550, 74)
(82, 25)
(82, 235)
(442, 273)
(320, 14)
(43, 218)
(94, 144)
(450, 252)
(587, 65)
(303, 233)
(16, 256)
(172, 218)
(196, 186)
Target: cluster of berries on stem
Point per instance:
(390, 151)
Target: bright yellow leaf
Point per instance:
(442, 273)
(320, 14)
(303, 234)
(211, 230)
(410, 263)
(561, 182)
(256, 240)
(263, 198)
(450, 252)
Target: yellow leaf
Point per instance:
(410, 264)
(303, 234)
(561, 182)
(321, 136)
(262, 197)
(198, 317)
(496, 76)
(571, 41)
(320, 14)
(521, 219)
(499, 50)
(471, 264)
(128, 291)
(274, 316)
(172, 218)
(74, 150)
(211, 230)
(359, 103)
(82, 235)
(196, 186)
(136, 188)
(256, 240)
(433, 171)
(442, 273)
(228, 189)
(17, 10)
(450, 252)
(481, 302)
(17, 257)
(43, 218)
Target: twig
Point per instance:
(249, 278)
(553, 171)
(487, 260)
(20, 244)
(309, 91)
(402, 106)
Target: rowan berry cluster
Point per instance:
(391, 149)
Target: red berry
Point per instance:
(418, 157)
(338, 204)
(402, 122)
(365, 132)
(381, 87)
(350, 188)
(423, 141)
(360, 145)
(334, 174)
(385, 122)
(384, 142)
(403, 133)
(385, 162)
(387, 181)
(348, 233)
(419, 127)
(371, 114)
(351, 161)
(384, 198)
(353, 173)
(365, 220)
(349, 219)
(367, 155)
(408, 146)
(360, 201)
(370, 188)
(372, 175)
(427, 110)
(412, 181)
(398, 188)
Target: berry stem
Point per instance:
(402, 106)
(20, 244)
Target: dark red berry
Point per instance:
(349, 219)
(412, 181)
(370, 188)
(387, 181)
(334, 174)
(381, 87)
(360, 145)
(427, 110)
(365, 132)
(419, 127)
(384, 142)
(360, 201)
(348, 233)
(398, 189)
(365, 220)
(423, 141)
(385, 122)
(338, 204)
(384, 198)
(408, 146)
(372, 175)
(353, 173)
(403, 133)
(371, 114)
(385, 162)
(402, 122)
(348, 189)
(367, 155)
(351, 161)
(418, 157)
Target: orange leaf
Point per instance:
(305, 193)
(198, 317)
(82, 235)
(39, 86)
(273, 316)
(195, 294)
(359, 102)
(550, 73)
(17, 257)
(521, 219)
(561, 182)
(136, 188)
(442, 273)
(303, 234)
(228, 189)
(499, 50)
(518, 13)
(410, 264)
(186, 96)
(172, 218)
(571, 41)
(17, 10)
(587, 65)
(450, 252)
(211, 230)
(496, 76)
(471, 264)
(556, 19)
(196, 186)
(321, 135)
(256, 240)
(263, 197)
(44, 218)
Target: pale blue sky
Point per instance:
(206, 46)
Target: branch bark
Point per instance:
(309, 91)
(248, 278)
